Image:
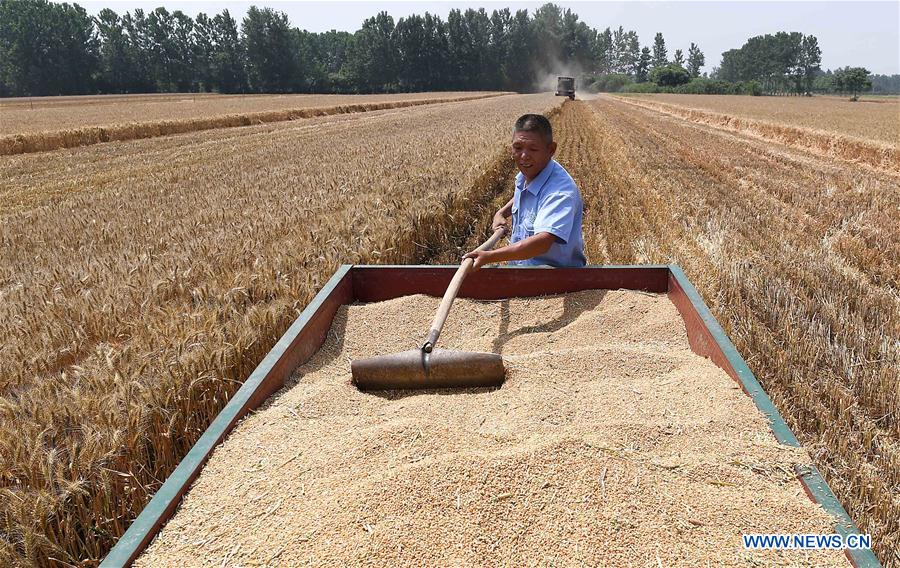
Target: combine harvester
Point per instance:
(565, 87)
(497, 297)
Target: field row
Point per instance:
(140, 287)
(877, 120)
(796, 255)
(134, 122)
(72, 101)
(833, 143)
(21, 115)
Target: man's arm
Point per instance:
(531, 247)
(501, 216)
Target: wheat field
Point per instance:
(97, 123)
(797, 255)
(143, 285)
(18, 116)
(872, 119)
(142, 280)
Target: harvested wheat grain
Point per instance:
(610, 442)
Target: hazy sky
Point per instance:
(850, 33)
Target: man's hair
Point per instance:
(537, 123)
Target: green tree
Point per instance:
(619, 58)
(732, 67)
(764, 62)
(520, 69)
(116, 53)
(577, 39)
(331, 54)
(157, 30)
(412, 60)
(810, 60)
(142, 79)
(170, 49)
(853, 80)
(631, 58)
(789, 49)
(824, 83)
(547, 31)
(272, 66)
(602, 52)
(678, 59)
(204, 49)
(228, 58)
(184, 73)
(670, 76)
(886, 84)
(777, 61)
(373, 60)
(435, 48)
(477, 55)
(498, 58)
(612, 83)
(643, 69)
(458, 42)
(695, 61)
(659, 51)
(47, 48)
(311, 76)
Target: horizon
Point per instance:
(858, 34)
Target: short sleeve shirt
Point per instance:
(551, 203)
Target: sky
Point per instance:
(865, 34)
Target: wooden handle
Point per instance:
(444, 309)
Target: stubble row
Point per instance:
(797, 257)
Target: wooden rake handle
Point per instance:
(444, 309)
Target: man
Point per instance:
(546, 207)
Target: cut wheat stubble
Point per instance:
(610, 442)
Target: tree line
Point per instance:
(58, 49)
(791, 63)
(885, 84)
(781, 62)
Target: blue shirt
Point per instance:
(551, 203)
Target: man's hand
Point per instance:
(501, 217)
(530, 247)
(481, 257)
(500, 221)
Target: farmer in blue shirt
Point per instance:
(546, 207)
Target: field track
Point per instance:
(796, 254)
(867, 119)
(111, 130)
(880, 155)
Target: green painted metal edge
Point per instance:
(128, 546)
(810, 476)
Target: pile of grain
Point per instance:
(610, 442)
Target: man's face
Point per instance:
(531, 153)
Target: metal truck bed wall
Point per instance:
(353, 283)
